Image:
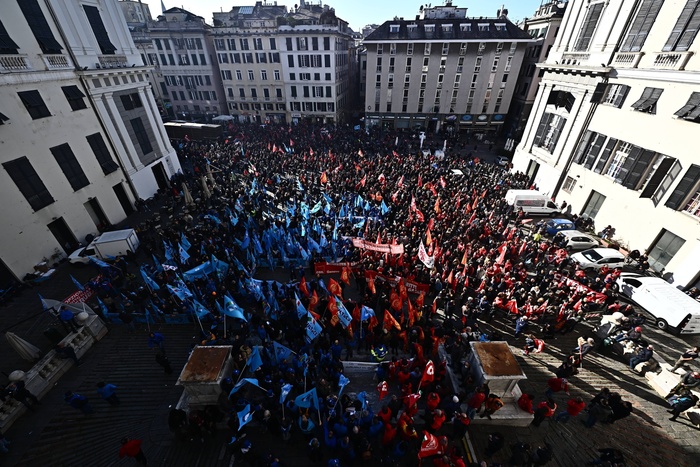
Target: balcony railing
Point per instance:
(57, 62)
(575, 58)
(14, 63)
(672, 60)
(113, 61)
(627, 59)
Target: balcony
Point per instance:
(112, 61)
(57, 62)
(672, 60)
(14, 63)
(575, 58)
(627, 59)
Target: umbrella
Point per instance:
(187, 195)
(25, 350)
(205, 188)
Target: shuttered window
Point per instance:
(594, 150)
(685, 29)
(104, 158)
(637, 168)
(641, 25)
(542, 129)
(40, 28)
(579, 157)
(589, 25)
(657, 177)
(603, 161)
(684, 188)
(98, 29)
(7, 45)
(75, 97)
(691, 110)
(647, 102)
(34, 103)
(141, 135)
(28, 182)
(70, 167)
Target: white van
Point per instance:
(532, 203)
(674, 310)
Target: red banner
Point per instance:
(597, 296)
(79, 297)
(411, 287)
(333, 268)
(382, 248)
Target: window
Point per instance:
(327, 61)
(248, 57)
(483, 27)
(569, 184)
(131, 101)
(99, 148)
(302, 44)
(7, 45)
(691, 110)
(261, 57)
(445, 48)
(619, 157)
(647, 103)
(241, 93)
(685, 29)
(685, 188)
(593, 205)
(263, 75)
(251, 75)
(28, 182)
(615, 95)
(70, 167)
(394, 28)
(549, 130)
(661, 179)
(314, 43)
(562, 99)
(276, 74)
(605, 156)
(75, 97)
(636, 165)
(239, 75)
(588, 28)
(257, 43)
(429, 28)
(278, 92)
(141, 135)
(34, 103)
(426, 49)
(328, 77)
(446, 28)
(98, 29)
(409, 49)
(244, 44)
(641, 25)
(465, 27)
(226, 75)
(40, 28)
(223, 58)
(326, 43)
(294, 91)
(665, 248)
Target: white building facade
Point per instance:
(70, 166)
(613, 125)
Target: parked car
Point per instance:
(575, 240)
(596, 258)
(672, 309)
(554, 226)
(503, 161)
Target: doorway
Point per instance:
(592, 206)
(64, 235)
(532, 168)
(123, 198)
(96, 213)
(161, 177)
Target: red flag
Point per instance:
(383, 389)
(431, 224)
(334, 288)
(502, 257)
(466, 279)
(302, 286)
(390, 321)
(451, 279)
(522, 248)
(400, 183)
(464, 258)
(333, 306)
(412, 207)
(313, 301)
(345, 275)
(356, 313)
(394, 196)
(268, 146)
(420, 300)
(471, 219)
(379, 238)
(420, 181)
(316, 316)
(434, 308)
(411, 400)
(443, 183)
(412, 315)
(541, 309)
(395, 301)
(483, 195)
(274, 148)
(291, 143)
(373, 322)
(359, 153)
(428, 238)
(436, 208)
(429, 373)
(370, 285)
(363, 181)
(429, 446)
(403, 291)
(382, 179)
(419, 216)
(512, 306)
(433, 190)
(324, 178)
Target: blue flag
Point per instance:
(169, 253)
(45, 305)
(200, 310)
(246, 241)
(78, 285)
(385, 208)
(301, 311)
(149, 282)
(254, 361)
(342, 382)
(184, 242)
(156, 263)
(232, 310)
(183, 253)
(281, 352)
(242, 383)
(344, 316)
(286, 389)
(99, 262)
(317, 207)
(313, 329)
(213, 218)
(103, 307)
(362, 397)
(180, 291)
(244, 416)
(308, 399)
(367, 313)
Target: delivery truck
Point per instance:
(107, 246)
(532, 203)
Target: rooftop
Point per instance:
(467, 29)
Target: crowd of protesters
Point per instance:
(272, 197)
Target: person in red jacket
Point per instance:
(525, 403)
(132, 448)
(475, 403)
(556, 385)
(544, 410)
(433, 401)
(389, 434)
(573, 408)
(437, 420)
(385, 414)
